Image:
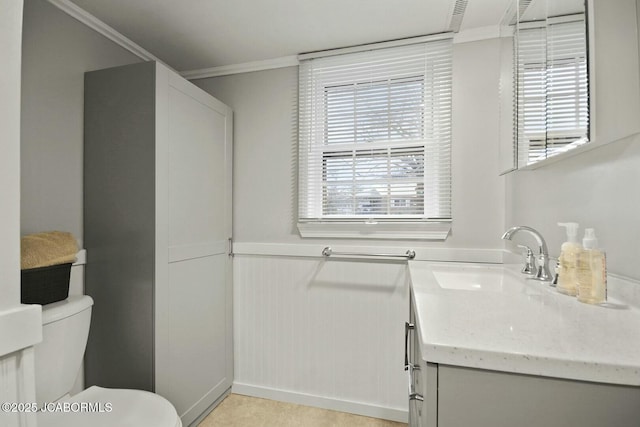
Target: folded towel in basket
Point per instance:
(49, 248)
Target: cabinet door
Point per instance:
(194, 365)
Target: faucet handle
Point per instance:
(530, 267)
(543, 273)
(556, 272)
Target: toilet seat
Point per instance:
(129, 408)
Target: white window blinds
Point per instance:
(553, 88)
(375, 135)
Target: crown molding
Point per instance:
(105, 30)
(110, 33)
(245, 67)
(477, 34)
(378, 45)
(294, 60)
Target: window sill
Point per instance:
(380, 230)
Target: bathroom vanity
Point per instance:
(487, 347)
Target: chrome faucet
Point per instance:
(542, 270)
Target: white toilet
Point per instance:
(65, 329)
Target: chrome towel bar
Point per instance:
(327, 252)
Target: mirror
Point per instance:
(565, 54)
(544, 81)
(552, 82)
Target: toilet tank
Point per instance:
(65, 329)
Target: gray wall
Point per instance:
(599, 189)
(57, 50)
(265, 169)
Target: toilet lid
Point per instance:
(104, 407)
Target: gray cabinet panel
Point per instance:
(157, 212)
(119, 224)
(472, 397)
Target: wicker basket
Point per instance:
(45, 285)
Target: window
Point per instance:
(374, 139)
(553, 88)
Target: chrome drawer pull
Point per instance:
(407, 327)
(416, 396)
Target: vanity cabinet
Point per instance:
(454, 396)
(157, 227)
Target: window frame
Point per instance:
(320, 224)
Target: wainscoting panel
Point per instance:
(329, 333)
(17, 385)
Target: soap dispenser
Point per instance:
(569, 251)
(592, 270)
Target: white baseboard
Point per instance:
(321, 402)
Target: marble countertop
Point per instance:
(524, 326)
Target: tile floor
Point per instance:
(243, 411)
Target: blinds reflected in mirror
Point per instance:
(553, 87)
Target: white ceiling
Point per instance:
(196, 34)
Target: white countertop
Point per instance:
(524, 326)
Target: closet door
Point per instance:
(195, 365)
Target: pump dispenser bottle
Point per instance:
(569, 251)
(592, 270)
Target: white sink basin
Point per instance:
(480, 278)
